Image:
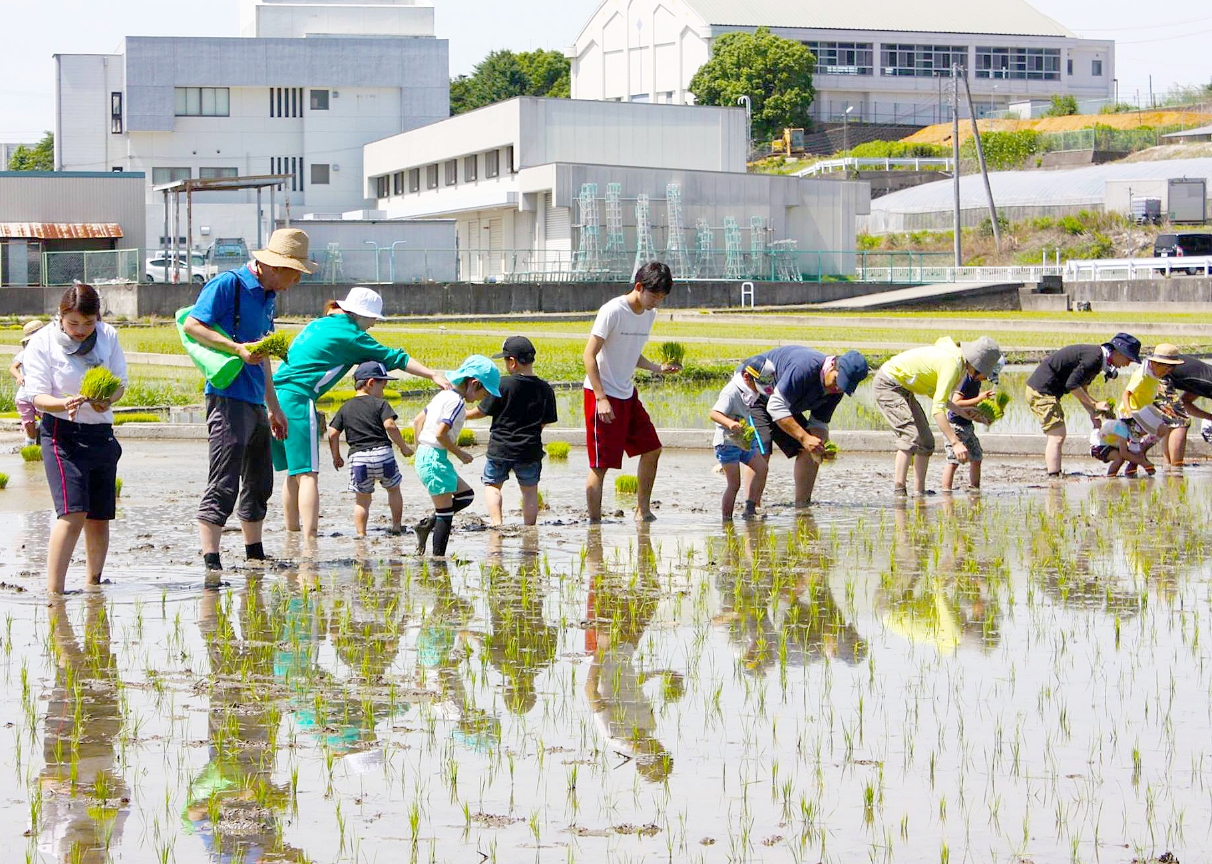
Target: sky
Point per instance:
(1169, 44)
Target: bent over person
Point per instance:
(241, 417)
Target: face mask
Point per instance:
(70, 346)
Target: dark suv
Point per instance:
(1182, 246)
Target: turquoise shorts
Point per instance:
(300, 452)
(433, 467)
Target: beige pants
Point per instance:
(904, 414)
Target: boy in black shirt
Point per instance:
(967, 395)
(369, 424)
(526, 404)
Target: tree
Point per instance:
(1062, 106)
(775, 73)
(40, 157)
(503, 75)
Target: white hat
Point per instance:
(362, 301)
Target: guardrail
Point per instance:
(850, 163)
(1137, 268)
(923, 274)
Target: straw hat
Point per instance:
(29, 329)
(287, 248)
(1167, 354)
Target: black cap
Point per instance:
(519, 348)
(1126, 344)
(371, 370)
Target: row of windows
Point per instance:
(285, 101)
(172, 175)
(928, 61)
(202, 101)
(448, 172)
(216, 102)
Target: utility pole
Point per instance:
(955, 153)
(980, 155)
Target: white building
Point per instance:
(512, 174)
(649, 50)
(300, 93)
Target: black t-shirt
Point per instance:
(969, 387)
(1194, 376)
(526, 403)
(1067, 369)
(362, 419)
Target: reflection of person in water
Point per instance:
(233, 805)
(621, 606)
(85, 799)
(768, 618)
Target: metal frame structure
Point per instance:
(176, 189)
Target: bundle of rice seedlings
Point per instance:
(99, 384)
(3, 481)
(626, 484)
(32, 452)
(994, 408)
(746, 433)
(273, 345)
(672, 353)
(466, 438)
(831, 450)
(118, 487)
(558, 450)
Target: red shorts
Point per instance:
(630, 432)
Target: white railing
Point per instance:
(929, 274)
(1136, 268)
(850, 163)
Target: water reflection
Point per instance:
(85, 797)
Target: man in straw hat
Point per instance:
(1140, 404)
(234, 310)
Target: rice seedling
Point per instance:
(467, 437)
(118, 486)
(626, 484)
(672, 353)
(3, 482)
(991, 410)
(275, 344)
(99, 384)
(125, 417)
(32, 453)
(558, 450)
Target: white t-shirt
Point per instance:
(735, 401)
(50, 371)
(447, 407)
(17, 361)
(625, 334)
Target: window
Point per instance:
(285, 101)
(1021, 64)
(470, 163)
(115, 113)
(161, 176)
(319, 175)
(1096, 68)
(452, 171)
(1069, 66)
(414, 179)
(431, 177)
(202, 101)
(397, 182)
(492, 163)
(842, 58)
(319, 100)
(217, 173)
(381, 186)
(292, 165)
(921, 61)
(509, 159)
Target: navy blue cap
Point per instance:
(851, 370)
(1126, 344)
(371, 370)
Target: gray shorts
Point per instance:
(241, 472)
(967, 437)
(904, 414)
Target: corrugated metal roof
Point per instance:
(1074, 187)
(59, 230)
(1191, 133)
(1002, 17)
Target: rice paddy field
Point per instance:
(1014, 676)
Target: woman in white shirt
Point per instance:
(79, 450)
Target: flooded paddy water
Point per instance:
(1019, 676)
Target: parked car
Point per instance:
(227, 253)
(159, 268)
(1183, 246)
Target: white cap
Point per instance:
(362, 301)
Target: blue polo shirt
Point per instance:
(216, 307)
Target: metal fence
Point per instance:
(100, 267)
(1113, 140)
(1137, 268)
(850, 163)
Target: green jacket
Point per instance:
(324, 352)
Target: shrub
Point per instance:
(99, 384)
(1062, 106)
(558, 450)
(1071, 225)
(136, 417)
(1005, 150)
(626, 484)
(868, 241)
(896, 150)
(3, 481)
(32, 452)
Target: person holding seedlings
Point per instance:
(615, 419)
(236, 310)
(320, 356)
(736, 441)
(1192, 380)
(369, 424)
(25, 407)
(935, 371)
(1138, 404)
(805, 382)
(1115, 443)
(79, 450)
(437, 430)
(965, 399)
(1071, 370)
(515, 443)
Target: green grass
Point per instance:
(32, 452)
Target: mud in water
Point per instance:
(1015, 675)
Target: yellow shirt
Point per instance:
(934, 370)
(1141, 391)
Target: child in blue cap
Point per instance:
(437, 434)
